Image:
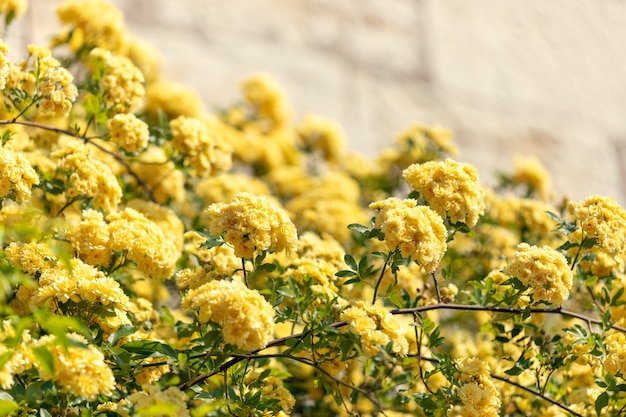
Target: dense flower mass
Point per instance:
(252, 224)
(451, 189)
(615, 362)
(416, 231)
(544, 270)
(129, 132)
(376, 328)
(247, 319)
(17, 177)
(603, 219)
(478, 393)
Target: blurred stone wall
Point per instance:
(509, 77)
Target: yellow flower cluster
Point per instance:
(121, 83)
(202, 144)
(376, 328)
(224, 187)
(252, 224)
(20, 357)
(159, 173)
(451, 189)
(247, 319)
(143, 242)
(5, 66)
(416, 231)
(151, 398)
(268, 101)
(544, 270)
(273, 388)
(319, 134)
(615, 361)
(56, 88)
(93, 23)
(89, 177)
(530, 172)
(604, 219)
(478, 393)
(17, 177)
(129, 132)
(80, 370)
(13, 8)
(172, 99)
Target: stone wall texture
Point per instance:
(509, 77)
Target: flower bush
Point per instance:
(159, 259)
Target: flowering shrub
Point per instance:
(162, 260)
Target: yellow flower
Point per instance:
(274, 389)
(17, 177)
(604, 219)
(247, 319)
(159, 173)
(129, 132)
(252, 224)
(376, 328)
(529, 171)
(264, 94)
(322, 135)
(615, 361)
(89, 177)
(224, 187)
(5, 66)
(544, 270)
(93, 23)
(91, 239)
(417, 231)
(79, 370)
(202, 144)
(172, 99)
(121, 83)
(478, 393)
(14, 8)
(451, 189)
(145, 402)
(143, 242)
(33, 258)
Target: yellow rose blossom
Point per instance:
(252, 224)
(323, 135)
(93, 23)
(164, 217)
(451, 189)
(142, 242)
(79, 370)
(14, 8)
(88, 177)
(274, 389)
(146, 401)
(268, 100)
(544, 270)
(4, 64)
(33, 258)
(602, 218)
(77, 282)
(530, 171)
(421, 143)
(202, 144)
(173, 99)
(478, 393)
(90, 238)
(416, 231)
(247, 319)
(376, 328)
(615, 360)
(21, 356)
(129, 132)
(17, 177)
(159, 173)
(121, 83)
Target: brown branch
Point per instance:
(90, 140)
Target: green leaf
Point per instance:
(349, 260)
(345, 273)
(601, 402)
(125, 330)
(212, 242)
(7, 405)
(45, 359)
(149, 347)
(266, 267)
(359, 228)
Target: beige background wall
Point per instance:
(510, 77)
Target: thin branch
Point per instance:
(90, 140)
(537, 393)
